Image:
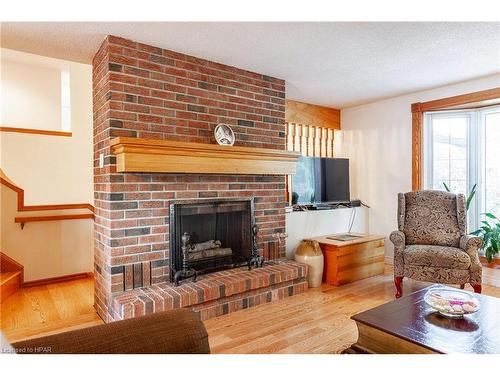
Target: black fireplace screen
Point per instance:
(216, 233)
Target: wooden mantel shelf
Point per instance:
(159, 156)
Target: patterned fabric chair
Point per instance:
(431, 243)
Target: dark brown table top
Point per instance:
(411, 319)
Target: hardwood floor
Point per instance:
(314, 322)
(48, 309)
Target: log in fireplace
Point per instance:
(207, 235)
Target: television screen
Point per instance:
(303, 187)
(321, 180)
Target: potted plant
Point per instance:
(490, 234)
(469, 197)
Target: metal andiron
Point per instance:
(185, 272)
(256, 259)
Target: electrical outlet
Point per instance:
(101, 160)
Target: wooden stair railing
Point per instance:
(4, 180)
(11, 129)
(43, 207)
(12, 273)
(27, 219)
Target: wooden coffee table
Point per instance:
(407, 325)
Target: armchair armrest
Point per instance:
(399, 240)
(470, 244)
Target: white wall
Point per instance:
(376, 137)
(31, 94)
(307, 224)
(51, 170)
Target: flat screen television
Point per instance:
(321, 180)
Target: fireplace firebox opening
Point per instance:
(208, 235)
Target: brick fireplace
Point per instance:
(146, 92)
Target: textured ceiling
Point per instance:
(332, 64)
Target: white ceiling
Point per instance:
(333, 64)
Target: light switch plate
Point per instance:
(101, 160)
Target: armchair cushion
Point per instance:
(436, 256)
(437, 274)
(431, 218)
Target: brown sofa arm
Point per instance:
(179, 331)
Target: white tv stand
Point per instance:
(306, 224)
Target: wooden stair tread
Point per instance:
(7, 276)
(11, 276)
(7, 264)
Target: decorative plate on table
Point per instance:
(450, 302)
(224, 135)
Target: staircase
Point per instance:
(11, 276)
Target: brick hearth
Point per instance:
(217, 293)
(148, 92)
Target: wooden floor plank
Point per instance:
(317, 321)
(49, 309)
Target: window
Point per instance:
(462, 149)
(65, 101)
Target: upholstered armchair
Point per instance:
(431, 243)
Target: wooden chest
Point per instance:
(347, 261)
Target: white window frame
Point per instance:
(65, 101)
(481, 173)
(475, 156)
